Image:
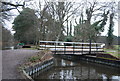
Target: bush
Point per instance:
(68, 39)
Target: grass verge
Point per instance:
(113, 52)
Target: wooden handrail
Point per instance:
(74, 46)
(68, 42)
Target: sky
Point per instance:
(119, 20)
(116, 22)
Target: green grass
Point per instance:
(33, 59)
(116, 54)
(115, 51)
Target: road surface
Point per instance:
(12, 59)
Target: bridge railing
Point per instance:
(59, 47)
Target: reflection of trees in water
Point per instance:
(66, 71)
(74, 73)
(83, 70)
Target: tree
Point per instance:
(45, 21)
(6, 8)
(84, 30)
(7, 38)
(62, 12)
(13, 6)
(48, 31)
(25, 26)
(110, 31)
(57, 13)
(92, 21)
(47, 24)
(80, 29)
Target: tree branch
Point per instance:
(14, 5)
(8, 9)
(8, 3)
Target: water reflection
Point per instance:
(64, 69)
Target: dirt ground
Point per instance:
(12, 59)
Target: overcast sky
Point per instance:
(9, 24)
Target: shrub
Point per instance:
(68, 39)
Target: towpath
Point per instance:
(12, 59)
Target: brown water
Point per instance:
(69, 70)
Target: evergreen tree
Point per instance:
(25, 26)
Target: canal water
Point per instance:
(78, 70)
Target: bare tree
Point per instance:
(7, 7)
(94, 18)
(62, 11)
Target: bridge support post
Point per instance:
(90, 47)
(45, 45)
(73, 48)
(82, 46)
(96, 47)
(55, 47)
(64, 49)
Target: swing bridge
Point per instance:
(78, 48)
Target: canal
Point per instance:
(78, 70)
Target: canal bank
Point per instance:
(94, 59)
(77, 70)
(42, 69)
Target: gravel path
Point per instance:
(11, 59)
